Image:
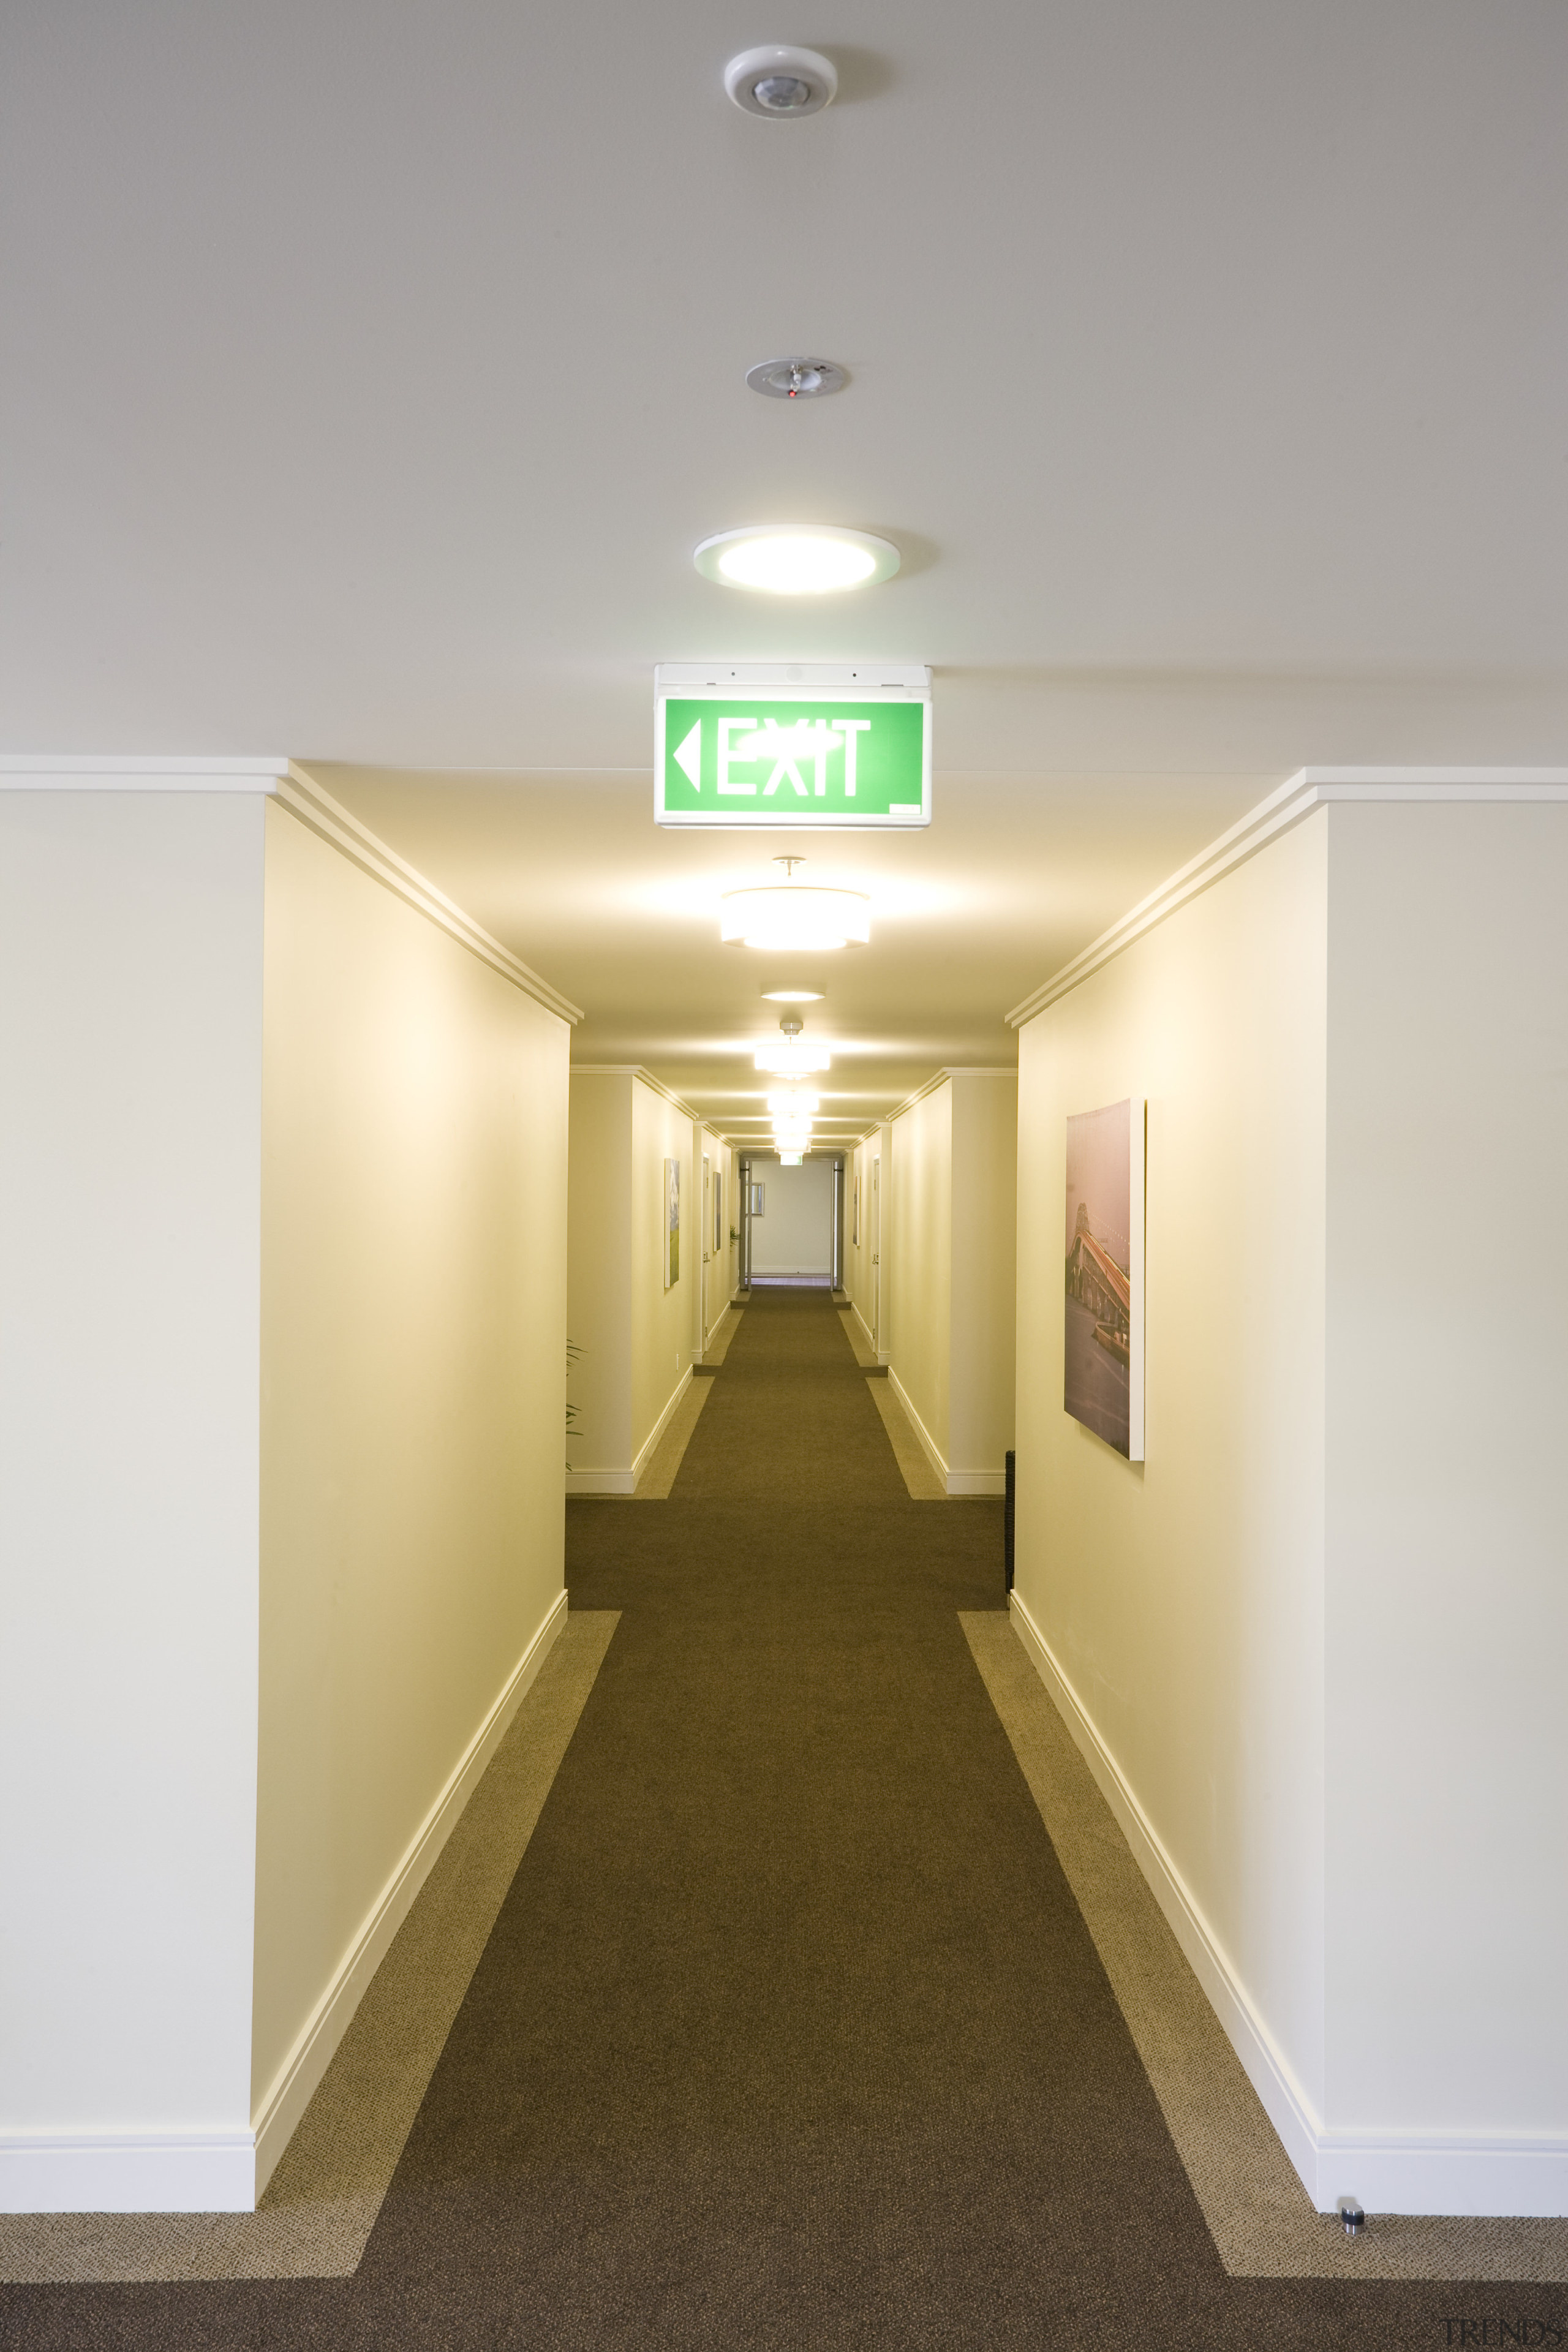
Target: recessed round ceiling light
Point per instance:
(796, 559)
(795, 379)
(783, 82)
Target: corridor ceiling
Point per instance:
(373, 369)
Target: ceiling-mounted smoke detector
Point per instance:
(795, 379)
(783, 83)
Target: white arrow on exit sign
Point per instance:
(687, 757)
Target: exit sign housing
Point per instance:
(802, 747)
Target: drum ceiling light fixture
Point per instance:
(793, 915)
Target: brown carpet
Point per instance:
(789, 2033)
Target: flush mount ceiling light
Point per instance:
(791, 914)
(795, 379)
(792, 995)
(795, 1103)
(780, 82)
(796, 559)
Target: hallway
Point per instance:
(790, 2031)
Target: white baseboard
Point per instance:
(225, 2171)
(600, 1482)
(977, 1482)
(1385, 2171)
(957, 1482)
(128, 2172)
(867, 1333)
(644, 1452)
(624, 1481)
(290, 2093)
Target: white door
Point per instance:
(876, 1241)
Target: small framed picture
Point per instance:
(718, 1215)
(671, 1224)
(1102, 1356)
(757, 1191)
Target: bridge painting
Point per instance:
(1104, 1209)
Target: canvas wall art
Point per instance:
(671, 1224)
(718, 1215)
(1102, 1368)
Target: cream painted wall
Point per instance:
(1446, 1796)
(1182, 1599)
(130, 1081)
(413, 1334)
(859, 1277)
(662, 1320)
(984, 1285)
(795, 1232)
(718, 1250)
(599, 1271)
(917, 1262)
(948, 1272)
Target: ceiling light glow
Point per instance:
(787, 914)
(793, 559)
(791, 1061)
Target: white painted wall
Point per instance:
(129, 1255)
(414, 1335)
(1311, 1645)
(795, 1232)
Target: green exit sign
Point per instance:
(791, 746)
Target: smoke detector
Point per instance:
(783, 83)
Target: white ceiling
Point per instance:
(372, 369)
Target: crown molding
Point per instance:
(645, 1077)
(98, 773)
(940, 1078)
(299, 793)
(305, 798)
(1308, 788)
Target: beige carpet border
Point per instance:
(1260, 2217)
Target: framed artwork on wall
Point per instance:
(671, 1224)
(757, 1193)
(718, 1214)
(1102, 1350)
(854, 1214)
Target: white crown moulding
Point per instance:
(1308, 788)
(282, 780)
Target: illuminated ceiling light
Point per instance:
(792, 995)
(791, 1061)
(791, 914)
(780, 83)
(794, 1104)
(796, 559)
